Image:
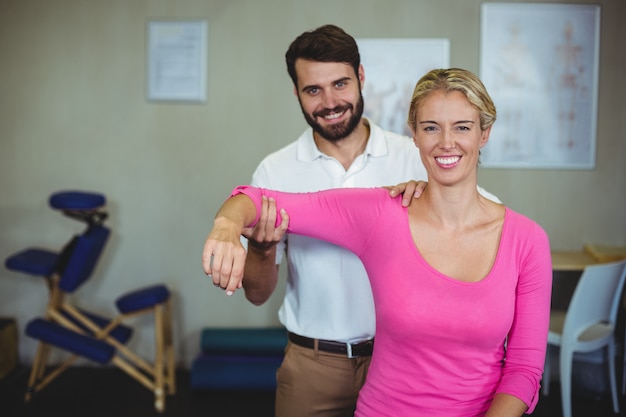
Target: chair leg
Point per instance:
(133, 372)
(159, 388)
(545, 380)
(612, 377)
(170, 378)
(158, 376)
(624, 370)
(54, 373)
(40, 376)
(566, 359)
(38, 368)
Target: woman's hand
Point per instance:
(223, 256)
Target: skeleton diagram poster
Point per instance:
(539, 63)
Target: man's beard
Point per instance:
(337, 131)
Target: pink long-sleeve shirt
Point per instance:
(443, 347)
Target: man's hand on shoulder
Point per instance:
(409, 190)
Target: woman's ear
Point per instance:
(485, 136)
(414, 136)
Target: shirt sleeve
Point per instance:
(527, 340)
(339, 216)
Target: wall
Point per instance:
(73, 115)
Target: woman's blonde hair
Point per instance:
(454, 79)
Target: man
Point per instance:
(328, 308)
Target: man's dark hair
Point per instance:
(327, 43)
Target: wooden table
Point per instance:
(605, 253)
(590, 255)
(571, 260)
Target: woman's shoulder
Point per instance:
(522, 223)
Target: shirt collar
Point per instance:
(376, 146)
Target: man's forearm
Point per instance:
(260, 274)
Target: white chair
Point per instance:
(587, 325)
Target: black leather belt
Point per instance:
(351, 350)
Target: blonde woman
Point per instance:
(461, 284)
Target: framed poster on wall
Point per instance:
(392, 68)
(539, 63)
(177, 60)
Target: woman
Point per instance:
(461, 284)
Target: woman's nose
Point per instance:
(446, 139)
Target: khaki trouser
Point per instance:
(316, 383)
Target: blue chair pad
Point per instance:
(142, 298)
(84, 255)
(244, 341)
(76, 200)
(121, 332)
(61, 337)
(235, 372)
(33, 261)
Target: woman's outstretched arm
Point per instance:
(337, 216)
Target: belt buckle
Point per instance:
(349, 351)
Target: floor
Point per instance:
(107, 392)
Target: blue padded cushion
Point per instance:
(61, 337)
(223, 372)
(244, 341)
(76, 200)
(121, 332)
(83, 258)
(142, 298)
(40, 262)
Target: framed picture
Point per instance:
(177, 60)
(392, 68)
(539, 63)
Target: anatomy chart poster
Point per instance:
(539, 63)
